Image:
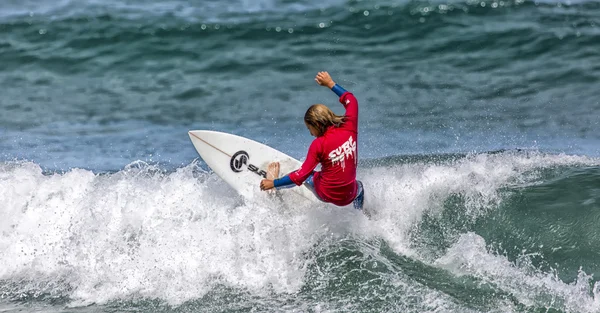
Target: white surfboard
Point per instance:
(242, 162)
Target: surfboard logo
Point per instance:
(238, 160)
(241, 158)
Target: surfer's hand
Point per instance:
(266, 184)
(324, 79)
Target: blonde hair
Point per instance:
(321, 117)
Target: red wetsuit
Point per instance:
(337, 151)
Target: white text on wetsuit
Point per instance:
(346, 150)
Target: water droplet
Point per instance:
(290, 30)
(42, 31)
(203, 26)
(494, 5)
(482, 4)
(322, 25)
(277, 29)
(366, 13)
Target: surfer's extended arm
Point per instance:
(283, 182)
(347, 99)
(279, 183)
(312, 160)
(325, 80)
(297, 177)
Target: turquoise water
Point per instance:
(478, 142)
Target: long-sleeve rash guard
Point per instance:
(337, 152)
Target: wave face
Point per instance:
(494, 232)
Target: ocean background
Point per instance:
(479, 145)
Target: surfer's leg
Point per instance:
(360, 196)
(310, 184)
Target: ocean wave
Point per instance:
(175, 236)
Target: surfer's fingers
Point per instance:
(263, 185)
(320, 79)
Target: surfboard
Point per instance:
(242, 162)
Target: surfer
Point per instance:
(335, 148)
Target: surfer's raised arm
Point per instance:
(347, 99)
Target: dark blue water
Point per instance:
(478, 140)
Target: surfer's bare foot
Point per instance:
(273, 171)
(272, 174)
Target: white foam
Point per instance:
(402, 194)
(469, 256)
(144, 233)
(141, 232)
